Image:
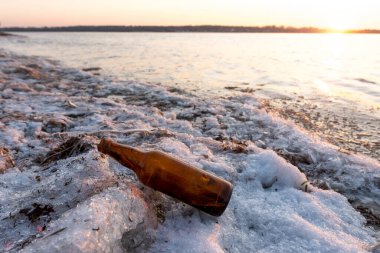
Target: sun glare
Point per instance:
(340, 19)
(340, 26)
(340, 23)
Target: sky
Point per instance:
(333, 14)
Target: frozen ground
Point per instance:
(58, 194)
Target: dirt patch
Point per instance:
(373, 220)
(6, 160)
(29, 73)
(294, 158)
(36, 211)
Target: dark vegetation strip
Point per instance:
(201, 28)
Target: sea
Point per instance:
(328, 84)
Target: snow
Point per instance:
(86, 202)
(275, 172)
(96, 225)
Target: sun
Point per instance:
(340, 26)
(340, 23)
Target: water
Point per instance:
(327, 83)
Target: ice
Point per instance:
(12, 137)
(77, 200)
(273, 171)
(98, 224)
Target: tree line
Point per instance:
(202, 28)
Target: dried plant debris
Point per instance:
(160, 212)
(91, 69)
(231, 87)
(54, 125)
(244, 90)
(6, 160)
(371, 217)
(19, 87)
(294, 157)
(36, 211)
(72, 147)
(14, 115)
(235, 146)
(70, 104)
(29, 73)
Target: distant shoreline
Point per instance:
(5, 34)
(184, 29)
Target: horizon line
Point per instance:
(177, 28)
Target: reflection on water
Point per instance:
(338, 73)
(324, 87)
(286, 62)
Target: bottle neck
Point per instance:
(128, 156)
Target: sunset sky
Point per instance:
(335, 14)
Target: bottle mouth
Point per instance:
(104, 145)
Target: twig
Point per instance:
(54, 233)
(130, 131)
(58, 153)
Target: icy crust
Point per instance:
(98, 225)
(32, 198)
(77, 200)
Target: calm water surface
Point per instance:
(331, 81)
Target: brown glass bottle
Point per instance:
(173, 177)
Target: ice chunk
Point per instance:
(274, 172)
(99, 224)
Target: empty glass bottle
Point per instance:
(173, 177)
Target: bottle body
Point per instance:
(173, 177)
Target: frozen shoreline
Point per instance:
(100, 205)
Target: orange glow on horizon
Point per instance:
(340, 23)
(336, 15)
